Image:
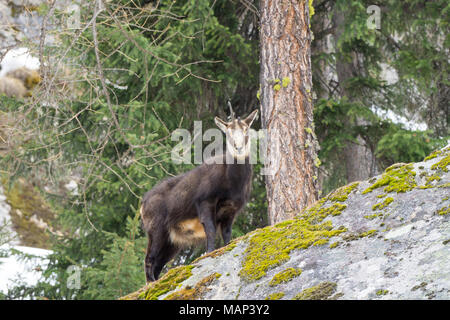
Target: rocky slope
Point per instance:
(22, 20)
(385, 238)
(21, 205)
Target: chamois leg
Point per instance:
(159, 252)
(225, 227)
(206, 213)
(148, 262)
(165, 255)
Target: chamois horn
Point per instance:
(231, 111)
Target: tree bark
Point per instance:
(286, 107)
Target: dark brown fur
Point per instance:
(189, 208)
(212, 193)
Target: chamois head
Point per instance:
(237, 133)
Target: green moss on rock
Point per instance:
(433, 155)
(168, 282)
(334, 244)
(442, 164)
(342, 193)
(398, 178)
(383, 204)
(443, 211)
(195, 293)
(432, 178)
(271, 246)
(372, 216)
(357, 236)
(27, 206)
(220, 251)
(445, 185)
(275, 296)
(285, 276)
(382, 292)
(322, 291)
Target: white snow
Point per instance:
(4, 207)
(27, 271)
(398, 119)
(388, 74)
(72, 186)
(13, 267)
(18, 58)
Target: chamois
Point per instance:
(189, 208)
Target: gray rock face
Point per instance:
(5, 220)
(22, 20)
(4, 207)
(398, 249)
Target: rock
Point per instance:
(7, 34)
(5, 218)
(343, 247)
(22, 20)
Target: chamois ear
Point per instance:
(251, 117)
(221, 124)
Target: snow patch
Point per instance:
(26, 271)
(18, 58)
(72, 186)
(398, 119)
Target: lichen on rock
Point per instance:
(195, 293)
(444, 211)
(443, 163)
(322, 291)
(285, 276)
(31, 215)
(383, 204)
(165, 284)
(342, 193)
(398, 178)
(271, 246)
(275, 296)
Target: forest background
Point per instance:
(118, 84)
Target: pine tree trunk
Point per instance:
(286, 107)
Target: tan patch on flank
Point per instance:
(188, 232)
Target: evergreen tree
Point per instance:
(350, 58)
(135, 71)
(141, 73)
